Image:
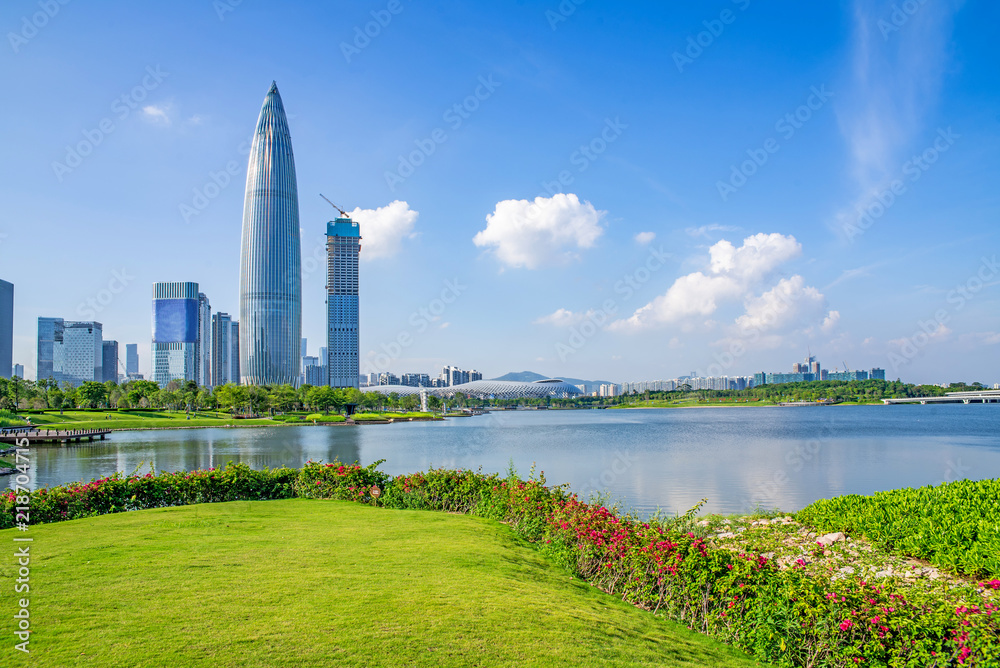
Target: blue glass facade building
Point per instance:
(175, 331)
(270, 257)
(343, 250)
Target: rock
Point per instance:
(727, 534)
(703, 523)
(847, 570)
(830, 538)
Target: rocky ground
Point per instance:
(836, 556)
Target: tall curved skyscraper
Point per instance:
(270, 257)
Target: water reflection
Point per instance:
(737, 458)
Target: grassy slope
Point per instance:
(161, 419)
(308, 583)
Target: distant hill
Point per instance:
(531, 376)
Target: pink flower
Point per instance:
(846, 624)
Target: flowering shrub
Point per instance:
(790, 617)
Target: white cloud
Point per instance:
(156, 114)
(383, 229)
(546, 231)
(644, 238)
(894, 80)
(563, 318)
(830, 321)
(788, 303)
(444, 325)
(731, 275)
(706, 230)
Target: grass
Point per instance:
(317, 583)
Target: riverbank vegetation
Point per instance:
(770, 585)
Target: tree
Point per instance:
(92, 394)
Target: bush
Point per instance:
(955, 525)
(788, 617)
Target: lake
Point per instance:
(737, 458)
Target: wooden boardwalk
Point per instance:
(51, 435)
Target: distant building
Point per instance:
(224, 362)
(131, 360)
(6, 328)
(315, 374)
(415, 380)
(109, 361)
(18, 371)
(323, 356)
(176, 344)
(386, 378)
(69, 351)
(877, 374)
(343, 249)
(847, 375)
(203, 347)
(236, 359)
(608, 390)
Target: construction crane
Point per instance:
(342, 212)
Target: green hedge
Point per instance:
(786, 617)
(955, 525)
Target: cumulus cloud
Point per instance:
(830, 321)
(383, 229)
(731, 275)
(547, 231)
(788, 303)
(644, 238)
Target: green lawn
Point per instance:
(320, 583)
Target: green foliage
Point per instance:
(787, 616)
(955, 525)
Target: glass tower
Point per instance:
(270, 257)
(343, 248)
(175, 331)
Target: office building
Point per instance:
(224, 362)
(315, 374)
(877, 374)
(176, 314)
(235, 336)
(203, 345)
(343, 248)
(18, 371)
(131, 360)
(270, 256)
(109, 361)
(69, 351)
(6, 328)
(322, 356)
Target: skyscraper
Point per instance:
(235, 355)
(69, 351)
(224, 362)
(343, 248)
(6, 327)
(131, 360)
(109, 361)
(203, 346)
(50, 339)
(270, 257)
(175, 331)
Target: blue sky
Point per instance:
(700, 169)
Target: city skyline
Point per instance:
(719, 204)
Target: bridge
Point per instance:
(974, 397)
(35, 435)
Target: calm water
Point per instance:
(670, 458)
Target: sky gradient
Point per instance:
(595, 190)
